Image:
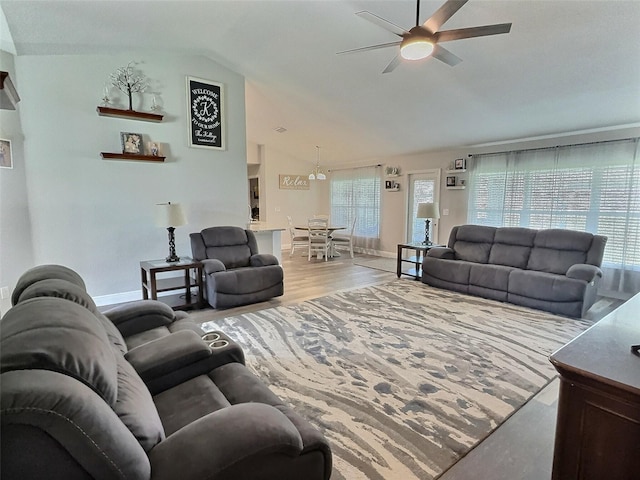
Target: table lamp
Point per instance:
(427, 211)
(170, 215)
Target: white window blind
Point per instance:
(591, 187)
(356, 193)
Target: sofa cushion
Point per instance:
(512, 247)
(495, 277)
(246, 281)
(546, 286)
(55, 334)
(472, 251)
(59, 288)
(45, 272)
(476, 233)
(554, 261)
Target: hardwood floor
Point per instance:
(305, 279)
(520, 449)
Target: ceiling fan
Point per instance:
(424, 40)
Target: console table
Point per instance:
(152, 285)
(416, 260)
(598, 425)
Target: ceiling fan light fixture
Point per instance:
(416, 48)
(317, 173)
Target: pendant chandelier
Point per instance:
(317, 173)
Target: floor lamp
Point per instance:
(170, 215)
(428, 211)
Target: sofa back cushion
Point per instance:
(63, 289)
(45, 272)
(233, 246)
(512, 246)
(55, 334)
(555, 250)
(472, 243)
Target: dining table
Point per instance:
(330, 228)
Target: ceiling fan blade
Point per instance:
(371, 47)
(460, 33)
(381, 22)
(392, 64)
(444, 13)
(445, 56)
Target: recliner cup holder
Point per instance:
(211, 337)
(218, 344)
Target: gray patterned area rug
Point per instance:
(403, 379)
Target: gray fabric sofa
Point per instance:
(77, 403)
(554, 270)
(234, 272)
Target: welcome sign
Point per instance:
(206, 113)
(293, 182)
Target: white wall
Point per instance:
(16, 250)
(276, 204)
(394, 205)
(97, 216)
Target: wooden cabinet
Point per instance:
(598, 425)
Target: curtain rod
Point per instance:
(353, 168)
(633, 139)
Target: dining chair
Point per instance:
(345, 241)
(325, 216)
(297, 239)
(319, 240)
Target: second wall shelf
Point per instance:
(131, 156)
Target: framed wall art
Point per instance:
(6, 159)
(131, 142)
(205, 101)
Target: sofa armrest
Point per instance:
(140, 316)
(219, 441)
(159, 357)
(212, 265)
(442, 252)
(582, 271)
(263, 259)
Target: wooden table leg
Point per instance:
(399, 262)
(145, 287)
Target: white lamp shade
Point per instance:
(170, 215)
(428, 210)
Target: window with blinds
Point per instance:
(356, 193)
(592, 187)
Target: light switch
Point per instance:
(445, 211)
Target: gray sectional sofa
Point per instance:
(79, 401)
(554, 270)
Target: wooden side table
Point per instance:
(416, 260)
(152, 285)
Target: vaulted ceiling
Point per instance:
(566, 66)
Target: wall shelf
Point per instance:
(8, 95)
(131, 156)
(118, 112)
(457, 187)
(460, 170)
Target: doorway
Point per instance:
(424, 187)
(254, 198)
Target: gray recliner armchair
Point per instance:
(235, 273)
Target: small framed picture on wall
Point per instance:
(451, 181)
(6, 161)
(460, 164)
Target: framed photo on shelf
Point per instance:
(387, 184)
(131, 143)
(460, 164)
(206, 127)
(153, 149)
(6, 160)
(451, 181)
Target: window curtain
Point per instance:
(356, 193)
(590, 187)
